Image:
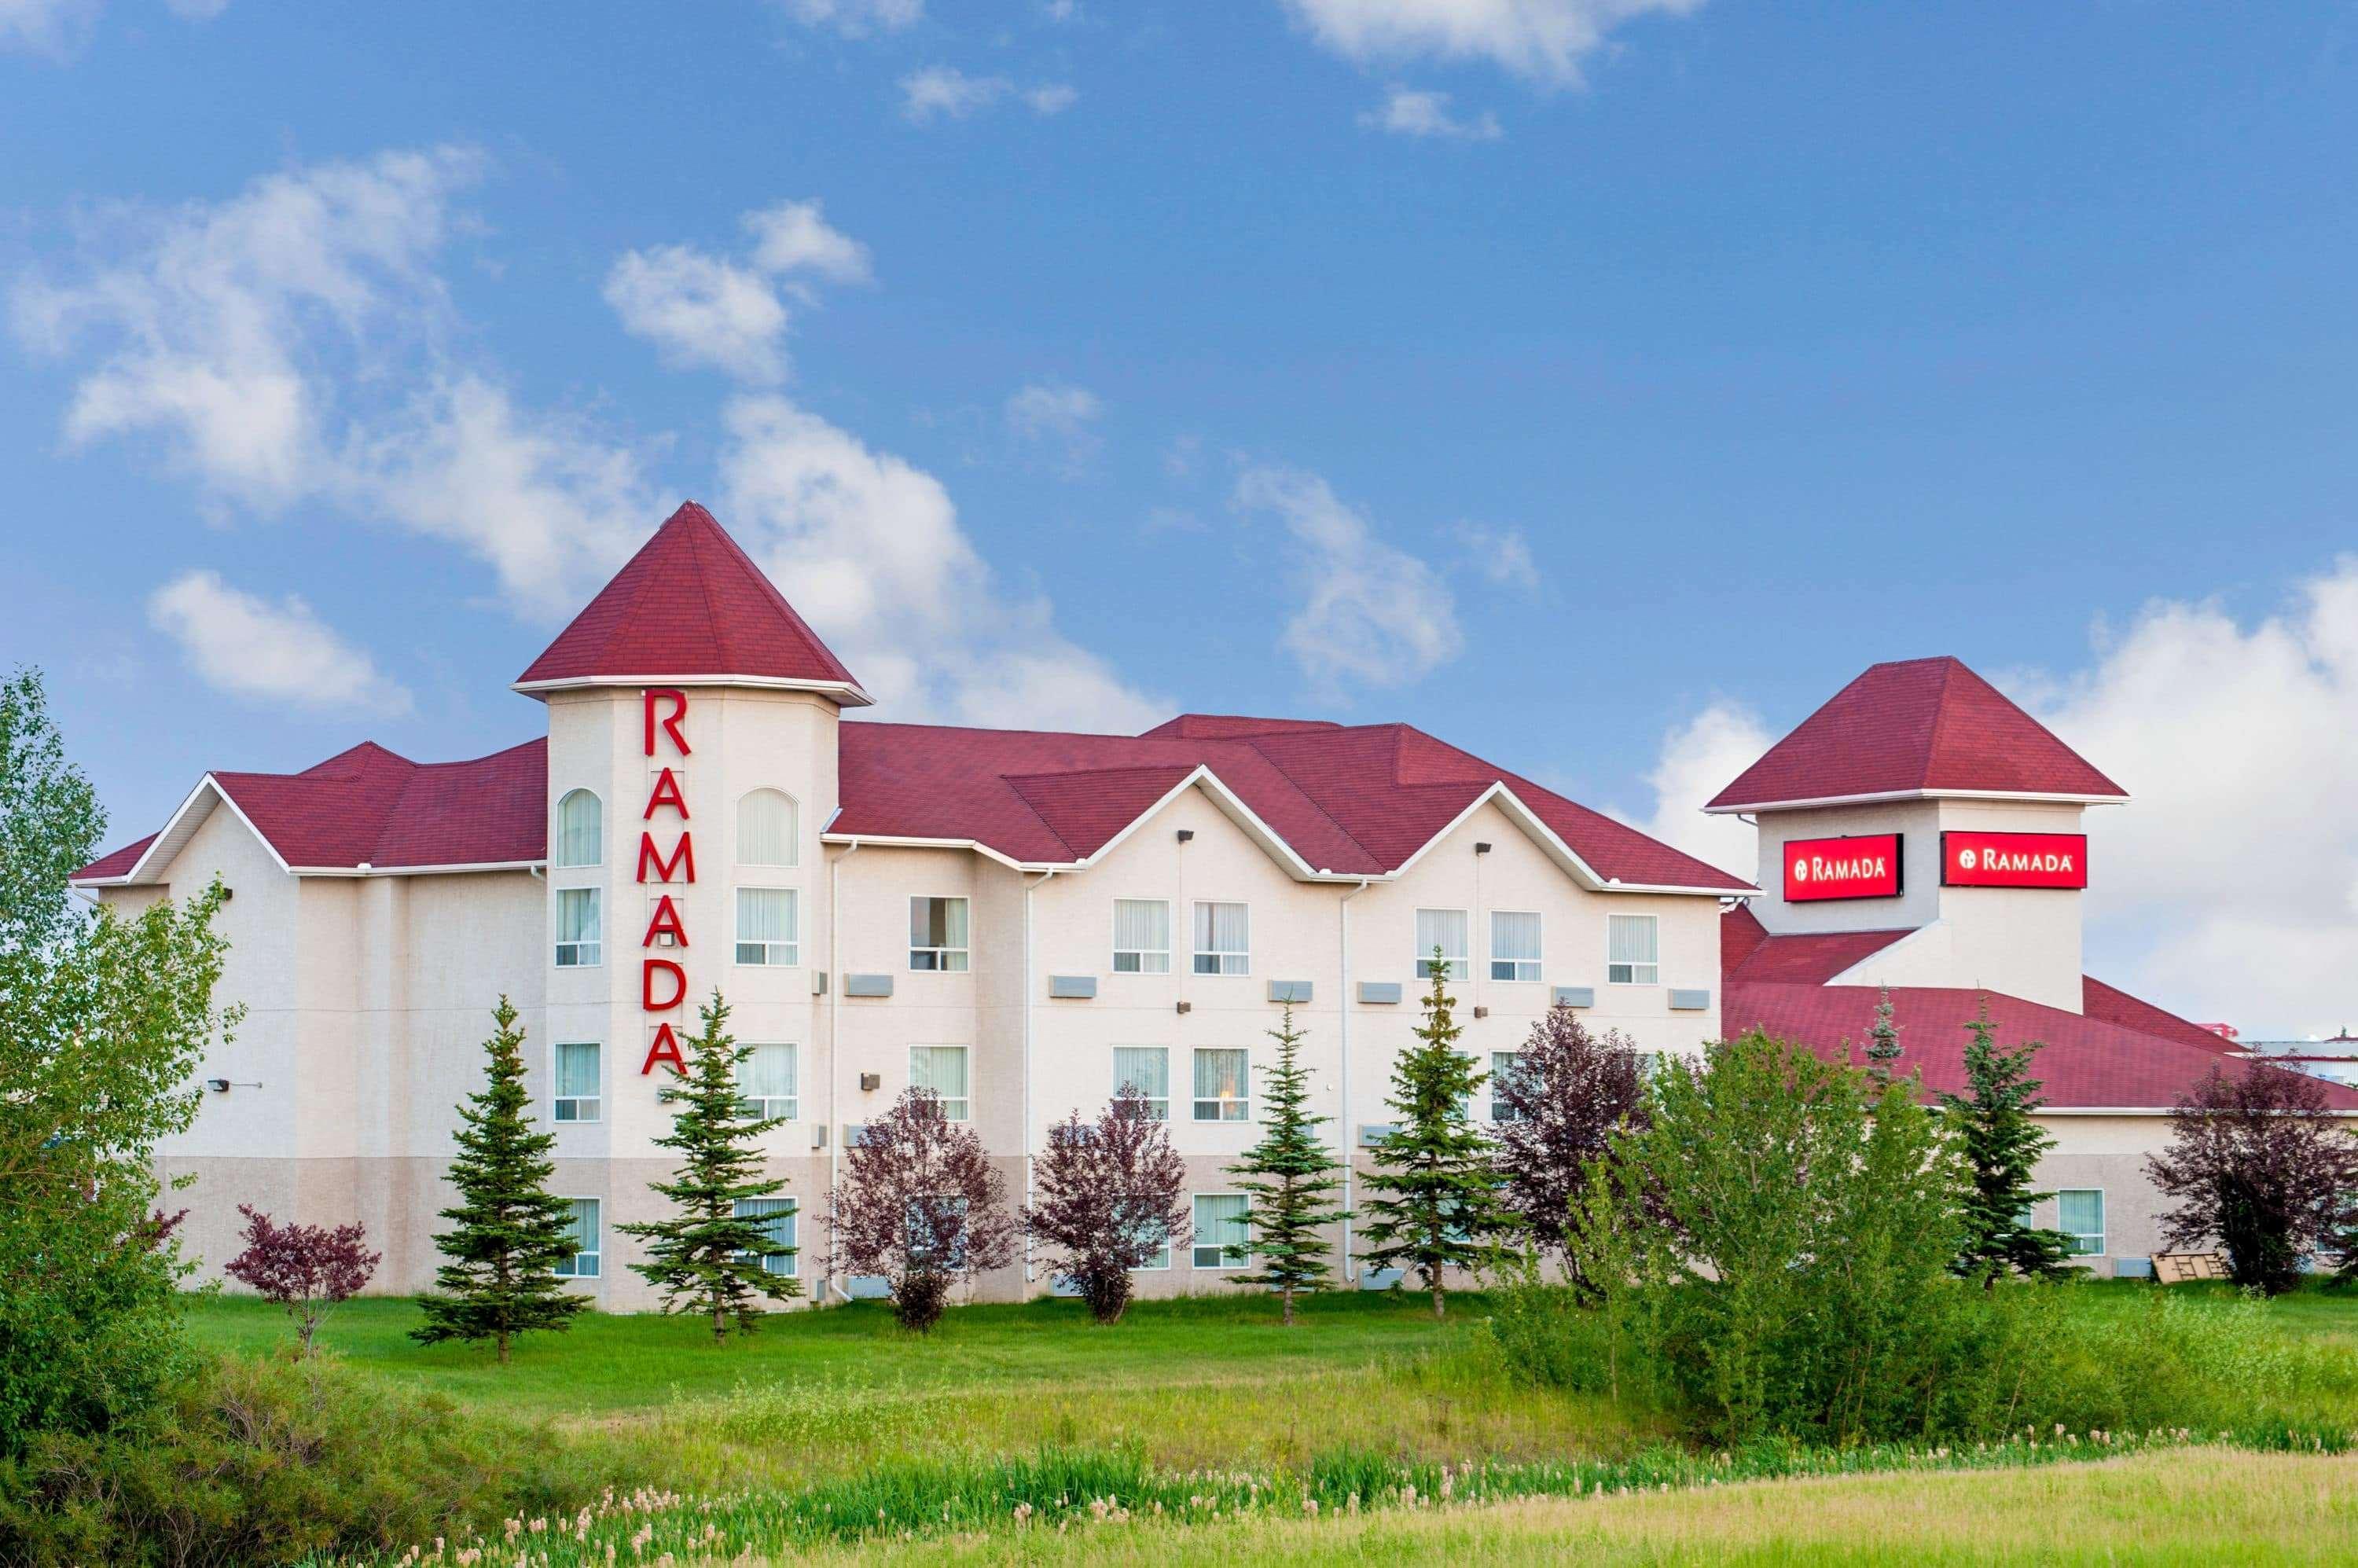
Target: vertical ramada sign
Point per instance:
(662, 983)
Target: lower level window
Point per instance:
(942, 1069)
(1160, 1258)
(1221, 1237)
(583, 1264)
(776, 1217)
(1147, 1070)
(2079, 1215)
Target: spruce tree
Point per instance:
(706, 1258)
(508, 1234)
(1438, 1199)
(1882, 1041)
(2001, 1144)
(1288, 1175)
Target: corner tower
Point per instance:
(1920, 799)
(692, 762)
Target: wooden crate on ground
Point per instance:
(2178, 1268)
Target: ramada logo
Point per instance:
(1862, 867)
(2014, 859)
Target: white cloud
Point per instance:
(1696, 760)
(1502, 555)
(53, 27)
(1372, 613)
(2227, 888)
(1058, 413)
(700, 310)
(195, 10)
(1410, 112)
(795, 236)
(293, 343)
(250, 647)
(870, 548)
(854, 18)
(943, 92)
(1543, 39)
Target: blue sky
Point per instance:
(1598, 384)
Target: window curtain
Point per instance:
(1147, 1067)
(765, 914)
(1444, 929)
(770, 1073)
(1222, 928)
(579, 832)
(1141, 936)
(941, 1068)
(577, 1071)
(1515, 938)
(576, 915)
(1220, 1074)
(1631, 939)
(765, 830)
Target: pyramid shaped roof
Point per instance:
(1916, 727)
(691, 607)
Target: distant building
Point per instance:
(2335, 1060)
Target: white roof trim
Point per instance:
(2031, 795)
(426, 870)
(171, 838)
(849, 691)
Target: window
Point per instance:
(1223, 939)
(1444, 929)
(768, 920)
(1503, 1065)
(942, 1068)
(581, 830)
(577, 1081)
(1222, 1238)
(1633, 955)
(2080, 1215)
(1141, 936)
(1220, 1086)
(938, 934)
(1161, 1257)
(765, 830)
(579, 946)
(1147, 1069)
(937, 1225)
(776, 1217)
(583, 1263)
(767, 1079)
(1514, 945)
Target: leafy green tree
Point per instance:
(1436, 1204)
(103, 1020)
(1992, 1124)
(1288, 1175)
(706, 1258)
(507, 1235)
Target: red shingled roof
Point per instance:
(1358, 800)
(368, 806)
(1749, 953)
(1916, 727)
(690, 603)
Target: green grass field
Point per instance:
(1214, 1384)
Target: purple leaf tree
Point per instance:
(307, 1269)
(1107, 1198)
(1560, 1104)
(921, 1205)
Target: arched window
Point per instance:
(765, 830)
(581, 830)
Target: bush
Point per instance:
(268, 1462)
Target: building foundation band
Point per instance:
(1022, 920)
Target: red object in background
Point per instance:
(1865, 866)
(2224, 1031)
(2014, 859)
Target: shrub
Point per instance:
(268, 1462)
(305, 1268)
(2259, 1160)
(1568, 1094)
(921, 1205)
(1108, 1200)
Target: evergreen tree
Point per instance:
(508, 1234)
(1992, 1127)
(1288, 1175)
(1438, 1194)
(1882, 1041)
(707, 1257)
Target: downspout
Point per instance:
(1350, 1144)
(834, 1040)
(1028, 988)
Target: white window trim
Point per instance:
(1113, 912)
(2103, 1213)
(1656, 965)
(556, 864)
(966, 898)
(599, 1254)
(1163, 1099)
(911, 1065)
(1450, 960)
(793, 839)
(1196, 1101)
(1538, 963)
(597, 896)
(1244, 1262)
(794, 959)
(794, 1100)
(1170, 1255)
(554, 1083)
(1223, 973)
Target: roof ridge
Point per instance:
(1252, 742)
